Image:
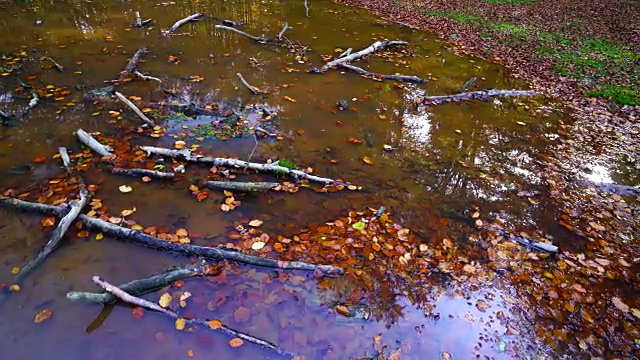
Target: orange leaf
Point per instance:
(180, 323)
(48, 221)
(367, 160)
(182, 232)
(43, 315)
(146, 179)
(39, 159)
(215, 324)
(235, 342)
(83, 234)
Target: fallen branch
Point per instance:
(132, 64)
(75, 207)
(345, 53)
(139, 22)
(378, 45)
(141, 286)
(128, 298)
(481, 94)
(179, 23)
(361, 71)
(251, 88)
(260, 39)
(191, 109)
(284, 28)
(57, 66)
(140, 238)
(146, 77)
(134, 108)
(306, 8)
(64, 155)
(187, 155)
(144, 172)
(536, 245)
(265, 132)
(92, 143)
(241, 186)
(468, 84)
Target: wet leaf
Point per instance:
(445, 356)
(137, 312)
(358, 226)
(235, 342)
(99, 236)
(180, 323)
(165, 300)
(43, 315)
(367, 160)
(115, 220)
(128, 212)
(395, 355)
(617, 302)
(257, 245)
(342, 310)
(214, 324)
(242, 314)
(225, 207)
(125, 189)
(256, 223)
(482, 305)
(635, 312)
(15, 270)
(146, 179)
(182, 232)
(48, 221)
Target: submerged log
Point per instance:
(132, 64)
(144, 172)
(135, 109)
(142, 286)
(241, 186)
(140, 238)
(378, 45)
(128, 298)
(92, 143)
(404, 78)
(179, 23)
(260, 39)
(480, 94)
(187, 155)
(75, 207)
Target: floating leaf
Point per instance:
(225, 207)
(180, 323)
(48, 221)
(128, 212)
(15, 270)
(146, 179)
(165, 300)
(242, 314)
(182, 232)
(367, 160)
(14, 287)
(358, 226)
(256, 223)
(257, 245)
(43, 315)
(137, 312)
(125, 189)
(214, 324)
(342, 310)
(235, 342)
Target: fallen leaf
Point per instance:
(256, 223)
(445, 356)
(214, 324)
(342, 310)
(242, 314)
(617, 302)
(146, 179)
(367, 160)
(257, 245)
(165, 300)
(358, 226)
(182, 232)
(137, 312)
(48, 221)
(180, 323)
(15, 270)
(43, 315)
(14, 287)
(235, 342)
(128, 212)
(99, 236)
(125, 189)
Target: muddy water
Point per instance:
(445, 160)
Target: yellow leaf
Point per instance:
(128, 212)
(182, 232)
(290, 99)
(43, 315)
(14, 287)
(115, 220)
(256, 223)
(165, 300)
(180, 323)
(125, 189)
(225, 207)
(367, 160)
(99, 236)
(215, 324)
(15, 270)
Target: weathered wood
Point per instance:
(404, 78)
(135, 109)
(260, 39)
(284, 28)
(189, 156)
(92, 143)
(55, 64)
(146, 77)
(144, 172)
(536, 245)
(306, 8)
(66, 161)
(132, 64)
(378, 45)
(140, 238)
(241, 186)
(624, 190)
(179, 23)
(480, 94)
(346, 52)
(251, 88)
(75, 207)
(128, 298)
(142, 286)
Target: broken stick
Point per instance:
(260, 39)
(128, 298)
(378, 45)
(140, 238)
(284, 28)
(187, 155)
(92, 143)
(57, 234)
(146, 77)
(241, 186)
(179, 23)
(404, 78)
(480, 94)
(55, 64)
(251, 88)
(132, 64)
(144, 172)
(135, 109)
(66, 161)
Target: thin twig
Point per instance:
(260, 39)
(251, 88)
(57, 66)
(255, 146)
(134, 108)
(64, 155)
(146, 77)
(306, 7)
(284, 28)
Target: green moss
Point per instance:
(511, 2)
(618, 94)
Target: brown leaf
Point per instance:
(43, 315)
(342, 310)
(214, 324)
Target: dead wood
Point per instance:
(179, 23)
(142, 286)
(480, 94)
(55, 64)
(191, 109)
(66, 161)
(345, 53)
(404, 78)
(306, 8)
(536, 245)
(146, 77)
(378, 45)
(75, 207)
(284, 28)
(139, 22)
(92, 143)
(132, 64)
(128, 298)
(265, 132)
(468, 84)
(251, 88)
(140, 238)
(144, 172)
(135, 109)
(189, 156)
(260, 39)
(241, 186)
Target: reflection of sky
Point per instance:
(599, 174)
(418, 129)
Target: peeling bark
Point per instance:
(93, 144)
(378, 45)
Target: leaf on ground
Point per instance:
(358, 226)
(367, 160)
(182, 232)
(242, 314)
(127, 212)
(342, 310)
(258, 245)
(43, 315)
(617, 302)
(48, 221)
(137, 312)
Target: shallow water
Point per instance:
(446, 159)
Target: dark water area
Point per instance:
(446, 159)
